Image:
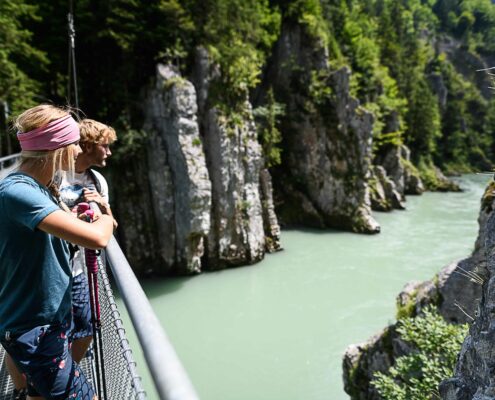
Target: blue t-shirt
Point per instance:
(35, 277)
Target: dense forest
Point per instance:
(400, 53)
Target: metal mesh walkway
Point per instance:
(6, 385)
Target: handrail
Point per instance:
(10, 157)
(170, 378)
(6, 159)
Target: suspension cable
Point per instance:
(72, 75)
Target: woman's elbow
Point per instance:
(102, 232)
(98, 242)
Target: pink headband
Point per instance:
(56, 134)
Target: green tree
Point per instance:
(239, 35)
(18, 56)
(416, 376)
(423, 121)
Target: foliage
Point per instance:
(407, 309)
(268, 117)
(238, 35)
(130, 143)
(18, 55)
(428, 174)
(416, 376)
(388, 43)
(396, 70)
(309, 13)
(423, 120)
(467, 128)
(472, 21)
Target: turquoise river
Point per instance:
(277, 330)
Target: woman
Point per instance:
(35, 277)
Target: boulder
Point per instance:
(396, 160)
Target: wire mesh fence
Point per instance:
(6, 384)
(122, 379)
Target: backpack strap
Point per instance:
(96, 181)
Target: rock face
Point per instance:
(322, 181)
(362, 360)
(396, 160)
(175, 180)
(384, 195)
(444, 183)
(456, 292)
(244, 224)
(177, 170)
(473, 379)
(234, 159)
(270, 221)
(456, 298)
(209, 199)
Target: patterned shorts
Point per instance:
(43, 355)
(81, 309)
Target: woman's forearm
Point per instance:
(93, 236)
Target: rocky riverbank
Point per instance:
(459, 296)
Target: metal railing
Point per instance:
(11, 158)
(9, 161)
(120, 373)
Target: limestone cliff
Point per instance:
(203, 200)
(174, 190)
(244, 224)
(327, 135)
(384, 194)
(473, 378)
(396, 160)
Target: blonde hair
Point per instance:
(38, 117)
(95, 132)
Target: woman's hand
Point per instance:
(96, 214)
(93, 195)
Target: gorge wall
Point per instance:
(327, 136)
(208, 201)
(473, 375)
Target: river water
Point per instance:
(277, 330)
